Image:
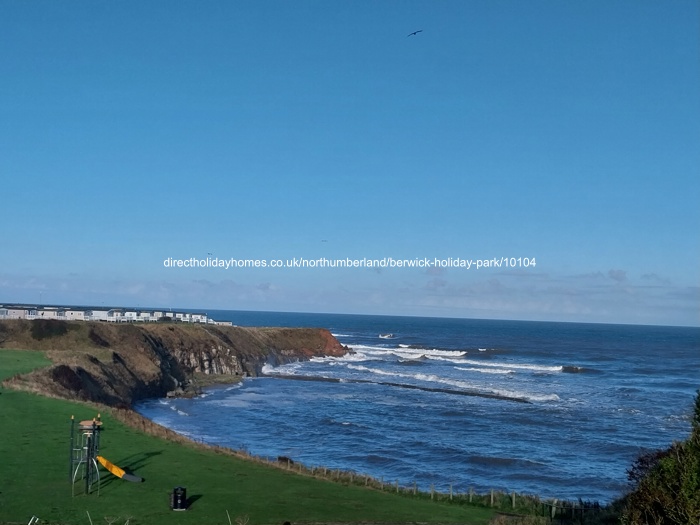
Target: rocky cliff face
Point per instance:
(121, 364)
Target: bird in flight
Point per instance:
(415, 32)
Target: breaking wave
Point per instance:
(486, 370)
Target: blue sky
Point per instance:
(568, 132)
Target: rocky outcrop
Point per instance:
(121, 364)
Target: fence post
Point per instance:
(432, 491)
(513, 499)
(471, 494)
(415, 488)
(450, 491)
(397, 486)
(492, 497)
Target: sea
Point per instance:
(557, 410)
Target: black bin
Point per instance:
(178, 499)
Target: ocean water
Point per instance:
(554, 409)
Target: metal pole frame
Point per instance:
(71, 451)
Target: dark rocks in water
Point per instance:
(178, 392)
(569, 369)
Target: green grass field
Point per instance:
(34, 476)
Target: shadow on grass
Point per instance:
(192, 499)
(131, 465)
(138, 460)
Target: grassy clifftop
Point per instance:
(118, 364)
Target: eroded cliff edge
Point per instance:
(119, 364)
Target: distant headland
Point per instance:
(119, 363)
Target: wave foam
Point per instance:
(486, 370)
(464, 385)
(407, 351)
(357, 356)
(179, 412)
(431, 353)
(517, 366)
(268, 369)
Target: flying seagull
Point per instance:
(415, 32)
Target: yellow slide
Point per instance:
(120, 473)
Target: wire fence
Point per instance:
(554, 510)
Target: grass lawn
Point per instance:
(34, 476)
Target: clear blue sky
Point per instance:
(565, 131)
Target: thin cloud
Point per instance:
(654, 278)
(590, 275)
(613, 299)
(436, 271)
(435, 284)
(618, 275)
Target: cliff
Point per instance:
(119, 364)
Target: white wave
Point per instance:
(406, 352)
(486, 370)
(361, 368)
(441, 353)
(482, 349)
(370, 349)
(517, 366)
(458, 360)
(288, 368)
(340, 335)
(527, 395)
(412, 359)
(403, 352)
(357, 356)
(420, 377)
(465, 385)
(404, 346)
(268, 369)
(180, 412)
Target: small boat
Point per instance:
(386, 336)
